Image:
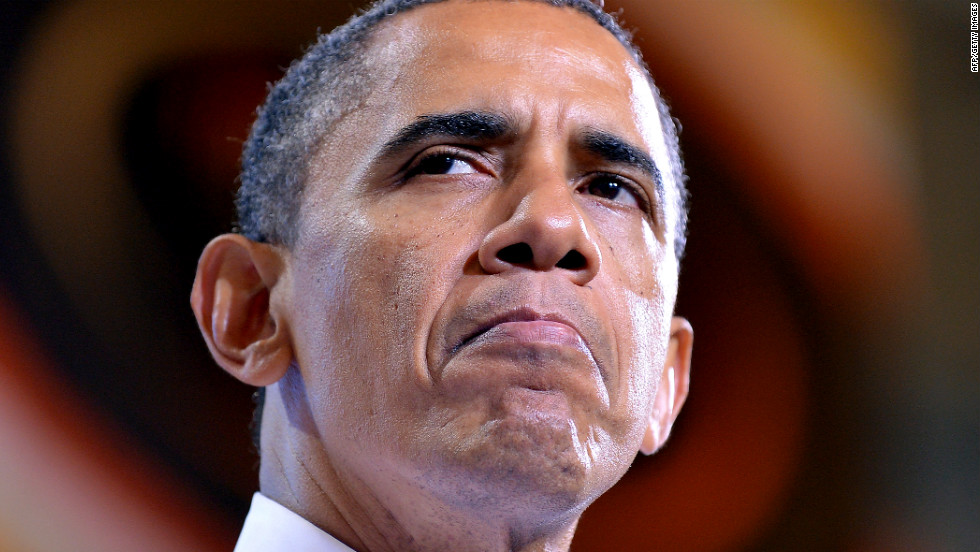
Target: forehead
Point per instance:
(514, 56)
(501, 31)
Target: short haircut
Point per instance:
(327, 83)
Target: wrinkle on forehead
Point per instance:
(425, 43)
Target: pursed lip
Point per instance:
(521, 314)
(528, 314)
(535, 323)
(522, 329)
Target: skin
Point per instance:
(472, 336)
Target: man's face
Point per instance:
(483, 280)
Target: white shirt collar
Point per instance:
(271, 527)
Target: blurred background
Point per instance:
(832, 274)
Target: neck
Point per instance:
(399, 514)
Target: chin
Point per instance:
(519, 465)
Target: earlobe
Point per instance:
(674, 383)
(232, 300)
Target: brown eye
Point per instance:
(612, 189)
(441, 164)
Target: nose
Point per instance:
(545, 231)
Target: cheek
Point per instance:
(652, 270)
(398, 294)
(324, 315)
(373, 280)
(646, 280)
(635, 254)
(415, 247)
(642, 350)
(651, 335)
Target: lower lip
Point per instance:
(532, 332)
(535, 357)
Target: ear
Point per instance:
(674, 383)
(231, 300)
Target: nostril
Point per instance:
(573, 260)
(516, 254)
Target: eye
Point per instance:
(613, 188)
(441, 163)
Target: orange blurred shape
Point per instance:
(69, 484)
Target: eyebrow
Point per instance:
(614, 149)
(485, 126)
(467, 125)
